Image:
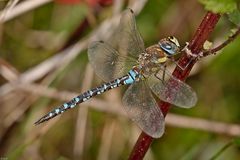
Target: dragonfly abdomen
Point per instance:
(127, 79)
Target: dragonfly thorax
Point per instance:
(151, 59)
(157, 55)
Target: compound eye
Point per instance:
(166, 45)
(168, 48)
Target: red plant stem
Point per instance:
(201, 35)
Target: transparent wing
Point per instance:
(142, 109)
(107, 62)
(126, 39)
(172, 90)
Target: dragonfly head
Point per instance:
(170, 46)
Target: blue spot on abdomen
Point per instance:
(131, 78)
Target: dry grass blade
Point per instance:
(204, 125)
(7, 10)
(107, 137)
(80, 134)
(23, 7)
(55, 62)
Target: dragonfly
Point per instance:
(123, 60)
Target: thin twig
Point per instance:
(221, 46)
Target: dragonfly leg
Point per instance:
(163, 75)
(190, 54)
(182, 68)
(158, 77)
(164, 72)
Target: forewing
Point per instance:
(107, 62)
(172, 90)
(143, 109)
(126, 38)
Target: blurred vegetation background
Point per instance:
(100, 128)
